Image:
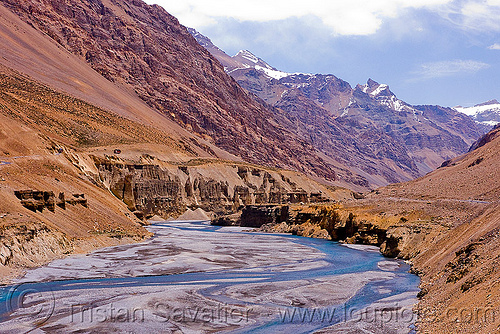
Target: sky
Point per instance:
(428, 51)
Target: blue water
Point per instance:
(338, 260)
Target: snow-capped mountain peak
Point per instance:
(488, 103)
(375, 89)
(383, 95)
(487, 113)
(244, 59)
(248, 59)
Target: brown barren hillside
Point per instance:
(29, 160)
(64, 189)
(472, 177)
(447, 224)
(460, 271)
(145, 50)
(33, 53)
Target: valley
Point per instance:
(450, 236)
(119, 127)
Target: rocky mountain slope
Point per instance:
(74, 176)
(487, 113)
(145, 50)
(446, 223)
(366, 132)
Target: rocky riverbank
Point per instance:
(396, 235)
(446, 241)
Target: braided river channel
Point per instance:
(192, 277)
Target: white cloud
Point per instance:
(473, 15)
(448, 68)
(495, 46)
(354, 17)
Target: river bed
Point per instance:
(195, 278)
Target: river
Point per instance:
(195, 278)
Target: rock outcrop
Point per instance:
(145, 189)
(40, 200)
(334, 222)
(490, 136)
(256, 216)
(222, 188)
(28, 244)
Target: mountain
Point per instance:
(145, 50)
(243, 59)
(469, 177)
(371, 137)
(487, 113)
(111, 112)
(88, 150)
(459, 264)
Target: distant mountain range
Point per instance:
(366, 132)
(361, 137)
(487, 113)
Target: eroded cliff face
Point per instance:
(28, 244)
(395, 234)
(223, 188)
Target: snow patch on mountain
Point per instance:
(487, 113)
(490, 123)
(272, 73)
(479, 108)
(248, 56)
(379, 90)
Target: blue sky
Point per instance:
(428, 51)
